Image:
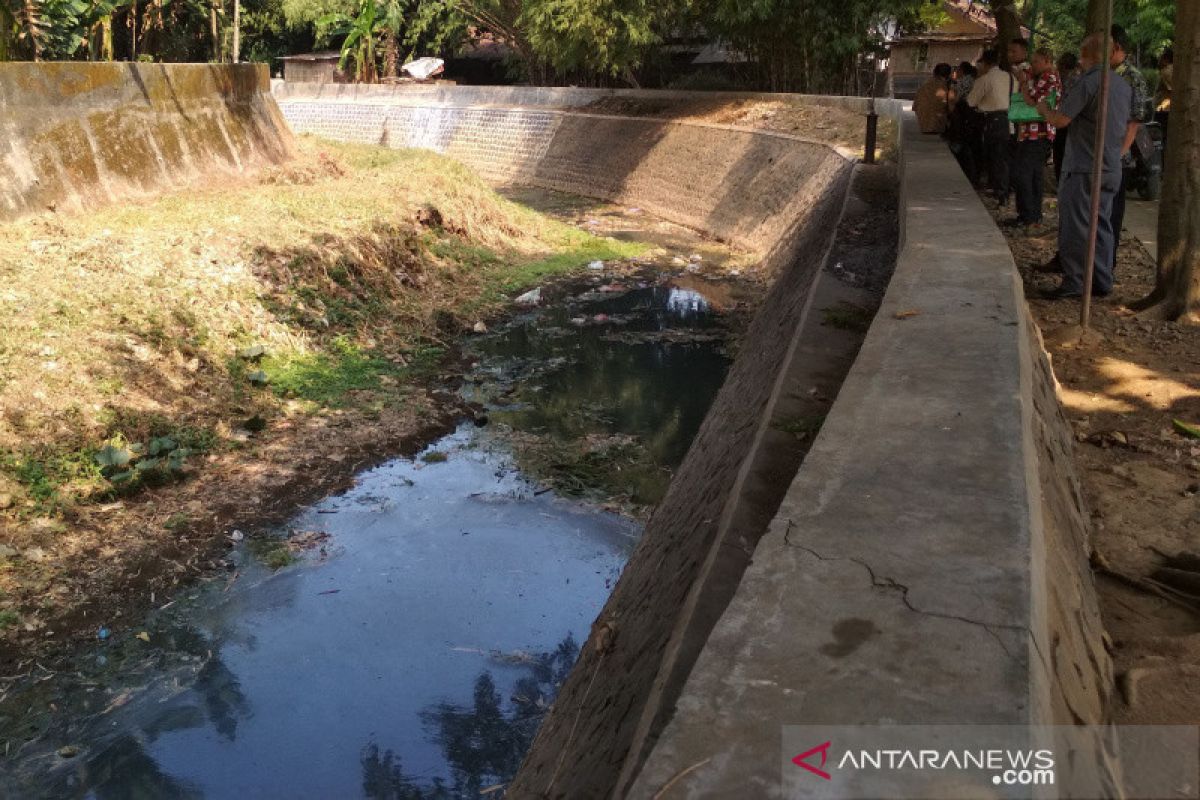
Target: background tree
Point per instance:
(1008, 26)
(597, 37)
(1176, 294)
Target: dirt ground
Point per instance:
(1122, 389)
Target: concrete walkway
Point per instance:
(1141, 219)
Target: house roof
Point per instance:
(970, 21)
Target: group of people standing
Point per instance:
(1009, 124)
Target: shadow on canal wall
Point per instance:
(81, 134)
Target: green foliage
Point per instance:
(45, 473)
(129, 465)
(271, 551)
(8, 618)
(1149, 23)
(804, 45)
(593, 36)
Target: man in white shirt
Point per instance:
(990, 96)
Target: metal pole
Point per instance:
(872, 131)
(1085, 312)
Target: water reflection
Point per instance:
(482, 744)
(686, 302)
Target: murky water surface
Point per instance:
(439, 603)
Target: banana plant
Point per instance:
(361, 32)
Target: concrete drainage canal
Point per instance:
(405, 638)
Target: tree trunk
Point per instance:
(133, 31)
(1008, 27)
(391, 54)
(1097, 13)
(237, 30)
(7, 39)
(214, 30)
(1176, 292)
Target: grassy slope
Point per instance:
(350, 269)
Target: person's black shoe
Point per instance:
(1059, 293)
(1053, 266)
(1012, 222)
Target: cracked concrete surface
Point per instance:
(929, 562)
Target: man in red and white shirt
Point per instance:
(1034, 141)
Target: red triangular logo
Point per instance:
(802, 760)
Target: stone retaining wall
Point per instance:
(81, 134)
(750, 188)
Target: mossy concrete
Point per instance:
(74, 135)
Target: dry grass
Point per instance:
(348, 268)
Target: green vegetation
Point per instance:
(1149, 23)
(805, 427)
(273, 552)
(798, 45)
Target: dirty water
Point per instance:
(434, 608)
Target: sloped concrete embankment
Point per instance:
(752, 189)
(929, 562)
(74, 135)
(778, 195)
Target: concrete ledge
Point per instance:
(929, 562)
(81, 134)
(540, 96)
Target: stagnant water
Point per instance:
(415, 648)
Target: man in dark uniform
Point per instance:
(1080, 110)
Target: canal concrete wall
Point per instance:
(74, 135)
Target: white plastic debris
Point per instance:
(530, 298)
(425, 68)
(479, 327)
(237, 536)
(596, 265)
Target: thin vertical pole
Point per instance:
(1089, 271)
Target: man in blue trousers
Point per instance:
(1079, 112)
